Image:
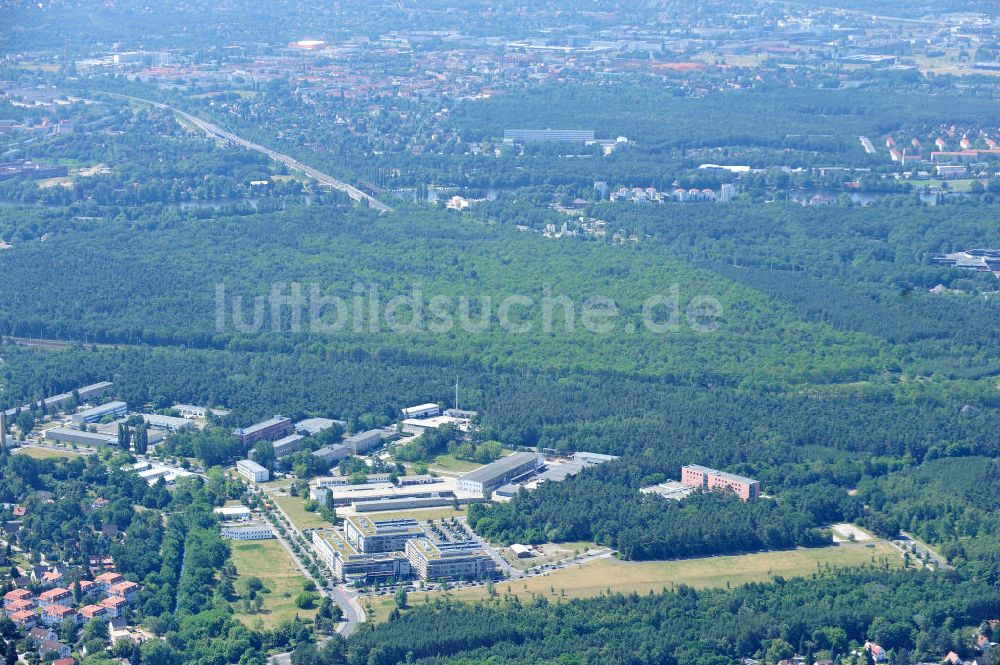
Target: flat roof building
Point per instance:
(233, 513)
(79, 437)
(249, 532)
(695, 475)
(352, 566)
(341, 481)
(194, 411)
(449, 561)
(530, 135)
(346, 495)
(332, 453)
(420, 425)
(60, 400)
(166, 423)
(421, 411)
(367, 535)
(501, 472)
(670, 489)
(313, 426)
(287, 445)
(419, 479)
(114, 409)
(252, 471)
(269, 429)
(362, 442)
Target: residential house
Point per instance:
(54, 646)
(51, 578)
(107, 580)
(126, 590)
(115, 604)
(877, 652)
(19, 606)
(54, 614)
(54, 597)
(16, 595)
(42, 633)
(91, 612)
(25, 619)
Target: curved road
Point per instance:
(292, 163)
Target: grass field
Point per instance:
(603, 575)
(46, 453)
(269, 561)
(451, 464)
(294, 507)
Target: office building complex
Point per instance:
(694, 475)
(368, 536)
(268, 430)
(448, 561)
(501, 472)
(352, 566)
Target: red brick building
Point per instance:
(694, 475)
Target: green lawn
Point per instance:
(268, 560)
(603, 575)
(451, 464)
(46, 453)
(294, 507)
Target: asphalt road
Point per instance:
(292, 163)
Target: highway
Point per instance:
(292, 163)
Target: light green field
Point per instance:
(269, 561)
(612, 575)
(294, 507)
(46, 453)
(956, 185)
(451, 464)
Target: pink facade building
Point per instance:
(694, 475)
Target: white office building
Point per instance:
(250, 532)
(501, 472)
(252, 471)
